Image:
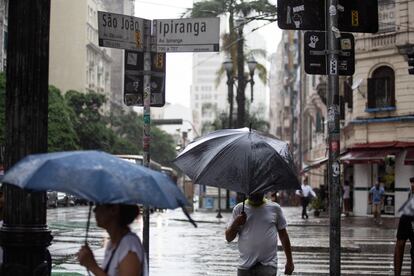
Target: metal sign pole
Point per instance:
(332, 32)
(147, 130)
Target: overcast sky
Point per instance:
(179, 65)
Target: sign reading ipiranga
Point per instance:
(122, 31)
(187, 34)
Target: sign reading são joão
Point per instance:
(122, 31)
(187, 34)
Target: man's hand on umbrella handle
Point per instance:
(289, 267)
(240, 220)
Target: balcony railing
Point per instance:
(368, 42)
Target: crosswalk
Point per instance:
(352, 263)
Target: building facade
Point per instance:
(76, 61)
(116, 99)
(379, 126)
(376, 114)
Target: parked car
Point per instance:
(52, 199)
(65, 199)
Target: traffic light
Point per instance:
(411, 63)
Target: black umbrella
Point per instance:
(241, 160)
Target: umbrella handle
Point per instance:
(87, 230)
(88, 223)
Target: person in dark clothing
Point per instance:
(405, 231)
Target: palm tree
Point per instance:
(233, 42)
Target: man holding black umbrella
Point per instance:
(258, 223)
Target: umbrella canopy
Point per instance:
(96, 176)
(241, 160)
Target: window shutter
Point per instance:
(371, 93)
(348, 92)
(342, 107)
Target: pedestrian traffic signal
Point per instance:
(411, 63)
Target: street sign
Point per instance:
(353, 15)
(134, 78)
(316, 55)
(122, 31)
(187, 34)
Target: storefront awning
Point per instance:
(367, 156)
(409, 157)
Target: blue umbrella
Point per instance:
(96, 176)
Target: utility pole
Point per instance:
(25, 235)
(147, 130)
(331, 18)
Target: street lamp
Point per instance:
(251, 63)
(228, 66)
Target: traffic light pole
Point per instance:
(147, 131)
(332, 32)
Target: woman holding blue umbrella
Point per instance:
(124, 255)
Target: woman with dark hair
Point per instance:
(124, 255)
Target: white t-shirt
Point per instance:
(130, 242)
(307, 190)
(258, 236)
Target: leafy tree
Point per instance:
(249, 10)
(162, 146)
(130, 127)
(88, 122)
(61, 132)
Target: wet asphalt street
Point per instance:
(179, 249)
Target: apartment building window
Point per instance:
(381, 89)
(310, 133)
(320, 126)
(348, 97)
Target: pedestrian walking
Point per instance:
(405, 232)
(376, 198)
(124, 255)
(306, 193)
(257, 223)
(346, 197)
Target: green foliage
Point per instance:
(317, 204)
(61, 132)
(75, 122)
(90, 125)
(163, 146)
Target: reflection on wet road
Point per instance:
(179, 249)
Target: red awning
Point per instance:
(367, 156)
(409, 157)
